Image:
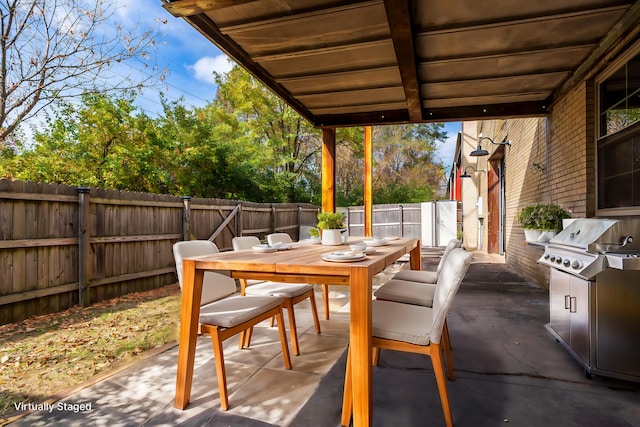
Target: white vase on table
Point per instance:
(331, 237)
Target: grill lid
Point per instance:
(601, 235)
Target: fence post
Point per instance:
(84, 298)
(401, 220)
(273, 218)
(186, 217)
(239, 220)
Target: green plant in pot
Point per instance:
(541, 221)
(331, 225)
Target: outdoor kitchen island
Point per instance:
(594, 291)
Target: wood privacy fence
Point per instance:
(62, 245)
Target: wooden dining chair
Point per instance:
(416, 329)
(285, 238)
(227, 315)
(293, 293)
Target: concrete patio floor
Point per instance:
(508, 370)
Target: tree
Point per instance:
(57, 49)
(405, 168)
(102, 142)
(286, 142)
(212, 157)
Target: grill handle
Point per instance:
(572, 305)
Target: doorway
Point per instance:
(495, 206)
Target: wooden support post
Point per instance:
(329, 169)
(368, 182)
(84, 247)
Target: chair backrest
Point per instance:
(279, 238)
(453, 271)
(215, 285)
(453, 244)
(244, 242)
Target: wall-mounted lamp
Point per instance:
(480, 152)
(466, 175)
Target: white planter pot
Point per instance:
(331, 237)
(532, 235)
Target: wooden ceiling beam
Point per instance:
(630, 21)
(300, 17)
(321, 50)
(362, 119)
(472, 26)
(183, 8)
(337, 74)
(399, 18)
(558, 49)
(486, 112)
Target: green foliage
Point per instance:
(542, 216)
(330, 220)
(246, 144)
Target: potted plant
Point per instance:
(527, 217)
(541, 221)
(331, 225)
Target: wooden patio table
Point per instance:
(301, 264)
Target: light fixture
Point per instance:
(466, 175)
(480, 151)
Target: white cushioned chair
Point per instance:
(285, 238)
(415, 286)
(422, 276)
(292, 292)
(226, 315)
(417, 329)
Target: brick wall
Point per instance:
(550, 160)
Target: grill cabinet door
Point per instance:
(559, 294)
(569, 315)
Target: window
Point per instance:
(619, 137)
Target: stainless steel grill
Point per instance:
(594, 294)
(588, 246)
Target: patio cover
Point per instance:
(343, 63)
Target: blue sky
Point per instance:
(190, 60)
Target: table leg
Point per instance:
(190, 311)
(360, 343)
(415, 257)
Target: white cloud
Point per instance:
(203, 68)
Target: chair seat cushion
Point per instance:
(417, 276)
(232, 311)
(407, 292)
(402, 322)
(279, 289)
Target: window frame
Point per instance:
(616, 136)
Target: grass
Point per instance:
(45, 355)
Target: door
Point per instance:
(439, 222)
(495, 207)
